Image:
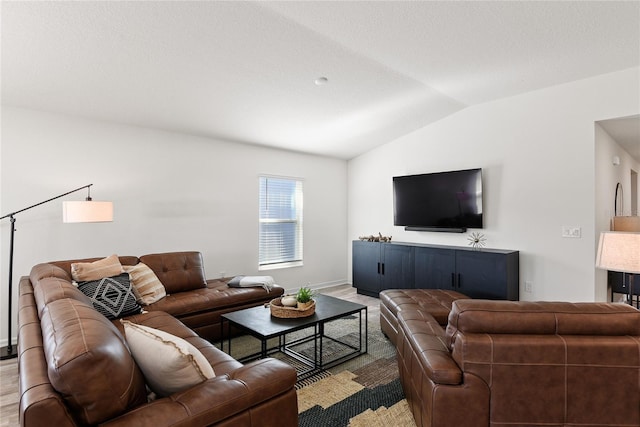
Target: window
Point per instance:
(280, 222)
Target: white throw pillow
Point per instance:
(168, 363)
(146, 284)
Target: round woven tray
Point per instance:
(279, 310)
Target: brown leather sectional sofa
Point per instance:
(516, 363)
(191, 298)
(76, 369)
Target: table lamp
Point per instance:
(620, 251)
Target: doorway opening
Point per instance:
(634, 192)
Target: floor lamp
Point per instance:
(84, 211)
(620, 251)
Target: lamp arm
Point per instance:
(46, 201)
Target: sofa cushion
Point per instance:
(106, 267)
(146, 284)
(169, 363)
(215, 296)
(52, 288)
(527, 317)
(113, 296)
(89, 363)
(178, 271)
(567, 379)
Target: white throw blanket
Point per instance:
(265, 282)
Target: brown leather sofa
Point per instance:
(194, 300)
(514, 363)
(75, 368)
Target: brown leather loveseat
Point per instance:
(514, 363)
(76, 367)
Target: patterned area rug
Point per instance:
(364, 391)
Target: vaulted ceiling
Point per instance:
(247, 71)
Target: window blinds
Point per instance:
(280, 221)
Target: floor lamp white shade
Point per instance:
(87, 211)
(619, 251)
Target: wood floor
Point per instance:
(9, 398)
(9, 392)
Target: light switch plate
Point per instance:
(571, 232)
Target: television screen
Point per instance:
(443, 201)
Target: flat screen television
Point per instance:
(443, 201)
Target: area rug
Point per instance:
(364, 391)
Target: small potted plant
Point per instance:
(304, 297)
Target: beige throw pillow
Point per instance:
(146, 285)
(169, 363)
(106, 267)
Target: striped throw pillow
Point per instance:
(146, 285)
(106, 267)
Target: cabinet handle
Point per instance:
(378, 268)
(459, 281)
(453, 280)
(383, 268)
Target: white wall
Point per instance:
(537, 153)
(607, 175)
(171, 192)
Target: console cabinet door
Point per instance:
(477, 274)
(434, 268)
(483, 275)
(397, 267)
(366, 267)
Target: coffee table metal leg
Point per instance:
(229, 340)
(366, 329)
(360, 331)
(222, 334)
(315, 345)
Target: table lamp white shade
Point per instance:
(619, 251)
(87, 211)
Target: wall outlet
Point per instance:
(571, 232)
(527, 286)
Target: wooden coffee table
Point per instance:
(258, 322)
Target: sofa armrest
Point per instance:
(439, 393)
(223, 397)
(40, 403)
(422, 336)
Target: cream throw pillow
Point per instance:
(146, 285)
(106, 267)
(169, 363)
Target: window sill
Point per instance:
(280, 265)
